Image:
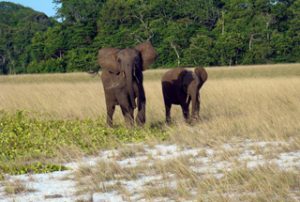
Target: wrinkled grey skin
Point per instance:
(122, 78)
(180, 87)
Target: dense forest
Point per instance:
(189, 32)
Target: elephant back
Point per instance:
(174, 74)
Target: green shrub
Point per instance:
(36, 167)
(23, 138)
(46, 66)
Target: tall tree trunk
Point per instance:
(250, 42)
(176, 52)
(223, 22)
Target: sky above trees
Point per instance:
(45, 6)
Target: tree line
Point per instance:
(185, 33)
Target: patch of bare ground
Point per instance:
(189, 173)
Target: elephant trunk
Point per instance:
(129, 84)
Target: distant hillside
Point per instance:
(15, 14)
(18, 25)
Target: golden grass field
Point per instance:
(248, 101)
(260, 103)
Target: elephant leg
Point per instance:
(167, 102)
(168, 112)
(141, 115)
(185, 112)
(196, 115)
(110, 100)
(195, 112)
(140, 93)
(128, 115)
(110, 113)
(126, 108)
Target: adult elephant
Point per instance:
(122, 78)
(181, 86)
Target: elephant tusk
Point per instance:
(187, 99)
(136, 78)
(113, 85)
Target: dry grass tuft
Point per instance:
(1, 176)
(15, 187)
(178, 167)
(267, 183)
(68, 153)
(94, 178)
(129, 151)
(160, 192)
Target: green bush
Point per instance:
(81, 59)
(23, 138)
(50, 65)
(36, 167)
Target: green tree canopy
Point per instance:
(190, 32)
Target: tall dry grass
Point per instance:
(260, 104)
(56, 100)
(259, 107)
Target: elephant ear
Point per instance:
(148, 53)
(202, 75)
(107, 59)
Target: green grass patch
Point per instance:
(36, 167)
(1, 176)
(24, 138)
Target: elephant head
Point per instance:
(125, 65)
(192, 82)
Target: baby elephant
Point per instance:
(181, 86)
